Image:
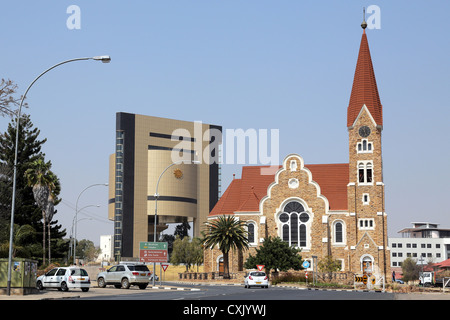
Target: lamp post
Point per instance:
(156, 203)
(76, 215)
(104, 59)
(71, 229)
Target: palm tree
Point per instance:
(229, 234)
(43, 182)
(54, 188)
(21, 233)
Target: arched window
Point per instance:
(338, 232)
(251, 232)
(294, 229)
(367, 264)
(293, 222)
(364, 146)
(302, 235)
(365, 172)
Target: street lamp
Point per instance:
(104, 59)
(71, 229)
(156, 203)
(76, 215)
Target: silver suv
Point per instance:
(124, 275)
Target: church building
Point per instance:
(326, 210)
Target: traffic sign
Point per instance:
(153, 245)
(153, 252)
(164, 267)
(260, 267)
(362, 279)
(305, 264)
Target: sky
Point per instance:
(265, 64)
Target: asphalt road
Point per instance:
(239, 293)
(175, 300)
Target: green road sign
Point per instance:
(153, 245)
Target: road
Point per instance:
(239, 293)
(175, 300)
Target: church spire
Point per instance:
(364, 89)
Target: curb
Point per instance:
(61, 298)
(280, 286)
(210, 284)
(341, 290)
(174, 288)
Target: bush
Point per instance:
(288, 277)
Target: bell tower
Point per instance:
(368, 223)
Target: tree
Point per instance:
(410, 269)
(20, 249)
(275, 254)
(7, 101)
(86, 250)
(45, 186)
(181, 253)
(182, 229)
(188, 252)
(197, 252)
(29, 150)
(26, 209)
(328, 264)
(229, 234)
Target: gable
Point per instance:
(245, 194)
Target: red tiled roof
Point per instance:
(333, 180)
(364, 89)
(443, 264)
(244, 195)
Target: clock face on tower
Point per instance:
(364, 131)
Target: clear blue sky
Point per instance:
(284, 65)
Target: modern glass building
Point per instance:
(145, 147)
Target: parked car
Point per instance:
(125, 275)
(256, 279)
(64, 278)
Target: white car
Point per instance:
(256, 279)
(65, 278)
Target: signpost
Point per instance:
(153, 252)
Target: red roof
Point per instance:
(443, 264)
(364, 89)
(244, 195)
